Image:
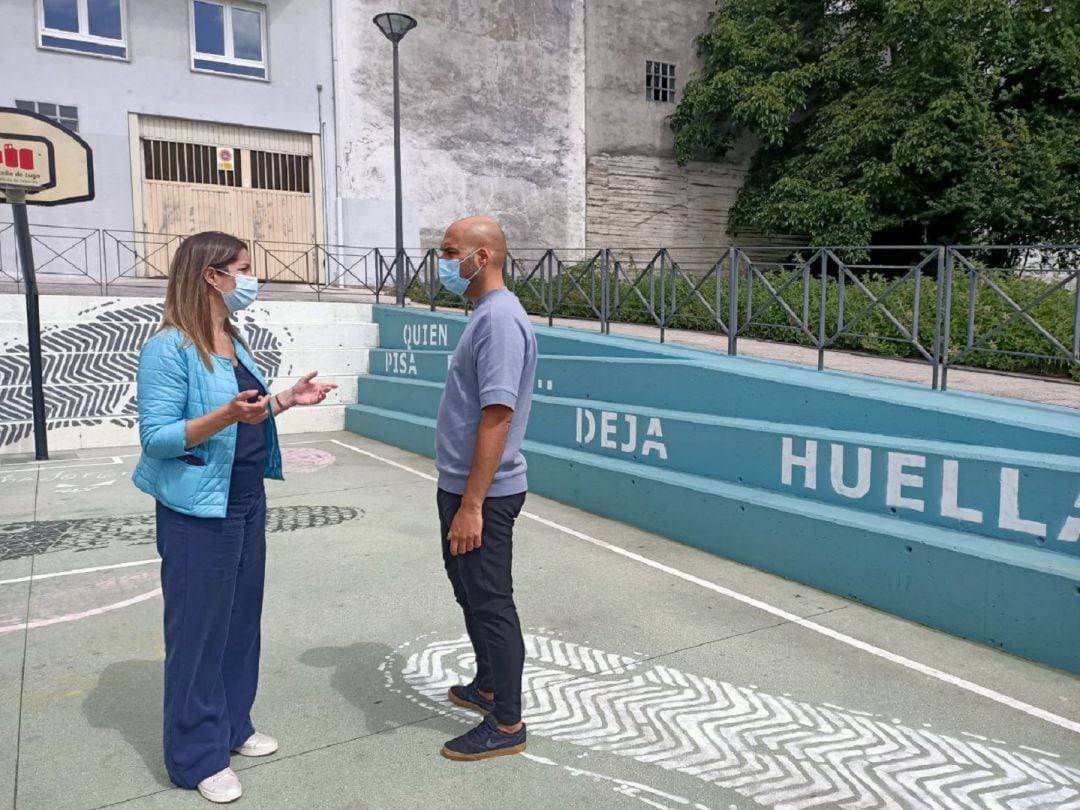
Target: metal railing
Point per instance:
(987, 271)
(945, 307)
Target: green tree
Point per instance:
(904, 121)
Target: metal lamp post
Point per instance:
(395, 27)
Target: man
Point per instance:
(482, 484)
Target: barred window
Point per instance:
(189, 163)
(660, 81)
(280, 172)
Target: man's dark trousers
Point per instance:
(484, 587)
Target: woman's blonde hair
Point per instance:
(187, 298)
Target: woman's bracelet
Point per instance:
(277, 405)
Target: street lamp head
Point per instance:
(395, 26)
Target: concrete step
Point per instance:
(825, 400)
(1022, 497)
(91, 346)
(1016, 597)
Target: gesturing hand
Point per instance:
(309, 392)
(466, 531)
(250, 413)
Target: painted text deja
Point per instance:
(622, 432)
(905, 487)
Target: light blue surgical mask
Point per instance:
(243, 295)
(450, 275)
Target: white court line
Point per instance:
(908, 663)
(37, 577)
(58, 463)
(74, 617)
(72, 464)
(65, 464)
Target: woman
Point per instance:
(206, 424)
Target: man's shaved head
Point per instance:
(473, 233)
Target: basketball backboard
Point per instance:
(49, 164)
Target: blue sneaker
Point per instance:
(484, 742)
(469, 697)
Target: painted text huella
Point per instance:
(904, 479)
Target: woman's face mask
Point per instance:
(241, 296)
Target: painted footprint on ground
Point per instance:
(774, 750)
(27, 539)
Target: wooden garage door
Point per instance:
(268, 196)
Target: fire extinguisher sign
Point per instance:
(26, 162)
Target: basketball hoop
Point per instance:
(41, 163)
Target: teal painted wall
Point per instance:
(959, 511)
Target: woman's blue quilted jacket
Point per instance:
(174, 386)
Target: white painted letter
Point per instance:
(1009, 507)
(607, 430)
(631, 443)
(807, 462)
(1009, 510)
(950, 494)
(898, 479)
(589, 433)
(654, 431)
(862, 483)
(1070, 532)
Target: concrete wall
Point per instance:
(157, 79)
(90, 349)
(638, 196)
(620, 38)
(651, 202)
(493, 105)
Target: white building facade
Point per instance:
(273, 120)
(200, 113)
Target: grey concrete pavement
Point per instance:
(658, 675)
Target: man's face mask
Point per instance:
(450, 274)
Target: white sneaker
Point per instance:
(257, 745)
(221, 788)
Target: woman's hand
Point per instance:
(307, 391)
(250, 413)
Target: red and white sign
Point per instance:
(225, 162)
(25, 163)
(41, 162)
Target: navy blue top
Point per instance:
(251, 447)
